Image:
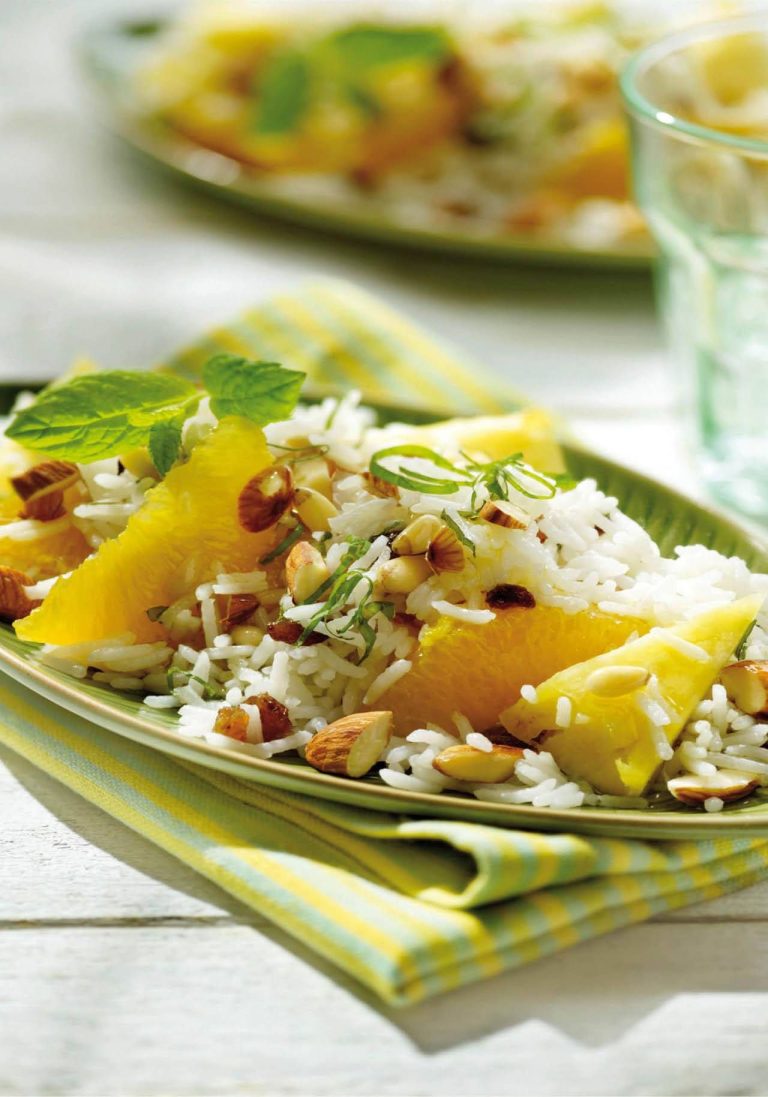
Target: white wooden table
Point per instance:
(121, 972)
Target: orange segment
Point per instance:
(600, 169)
(185, 533)
(56, 551)
(478, 670)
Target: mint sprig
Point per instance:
(101, 414)
(264, 392)
(105, 414)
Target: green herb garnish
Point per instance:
(414, 480)
(498, 478)
(337, 591)
(283, 95)
(457, 523)
(165, 443)
(287, 542)
(105, 414)
(370, 45)
(263, 392)
(741, 649)
(101, 414)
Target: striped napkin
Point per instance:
(409, 907)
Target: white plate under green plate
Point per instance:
(669, 517)
(111, 53)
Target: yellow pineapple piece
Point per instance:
(611, 739)
(186, 531)
(530, 432)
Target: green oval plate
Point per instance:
(111, 53)
(671, 518)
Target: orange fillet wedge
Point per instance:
(478, 670)
(186, 532)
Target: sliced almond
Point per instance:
(315, 510)
(465, 763)
(500, 512)
(616, 681)
(403, 574)
(381, 487)
(265, 498)
(42, 489)
(352, 745)
(305, 571)
(315, 474)
(444, 552)
(14, 600)
(725, 784)
(415, 538)
(747, 685)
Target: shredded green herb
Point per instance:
(456, 522)
(337, 591)
(287, 542)
(413, 479)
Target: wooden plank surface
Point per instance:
(123, 972)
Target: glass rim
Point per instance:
(642, 108)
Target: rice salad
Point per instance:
(494, 121)
(405, 602)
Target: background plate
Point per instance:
(111, 53)
(670, 518)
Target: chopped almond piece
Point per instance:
(465, 763)
(351, 746)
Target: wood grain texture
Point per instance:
(123, 972)
(189, 1009)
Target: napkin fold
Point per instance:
(409, 907)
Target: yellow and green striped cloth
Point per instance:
(409, 907)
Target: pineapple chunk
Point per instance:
(611, 741)
(530, 432)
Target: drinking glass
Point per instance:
(698, 111)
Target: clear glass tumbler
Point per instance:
(698, 110)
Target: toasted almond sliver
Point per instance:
(747, 685)
(466, 763)
(265, 498)
(42, 489)
(444, 552)
(725, 784)
(305, 571)
(14, 600)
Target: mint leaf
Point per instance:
(165, 443)
(100, 414)
(283, 95)
(261, 391)
(368, 45)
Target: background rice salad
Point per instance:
(379, 537)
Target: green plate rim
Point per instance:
(101, 43)
(124, 713)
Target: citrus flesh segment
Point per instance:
(186, 532)
(478, 670)
(612, 741)
(530, 432)
(58, 548)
